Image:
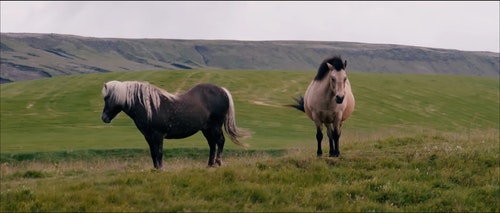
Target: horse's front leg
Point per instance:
(331, 139)
(319, 138)
(155, 142)
(335, 136)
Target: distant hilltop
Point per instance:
(27, 56)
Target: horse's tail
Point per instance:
(299, 103)
(230, 123)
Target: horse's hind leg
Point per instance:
(214, 137)
(220, 148)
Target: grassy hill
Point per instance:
(413, 143)
(37, 112)
(27, 56)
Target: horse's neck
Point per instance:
(145, 104)
(320, 94)
(323, 87)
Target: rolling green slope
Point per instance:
(63, 113)
(415, 143)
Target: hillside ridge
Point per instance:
(26, 56)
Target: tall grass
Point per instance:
(431, 172)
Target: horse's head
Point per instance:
(112, 104)
(338, 78)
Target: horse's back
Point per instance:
(309, 100)
(206, 91)
(211, 96)
(200, 107)
(315, 102)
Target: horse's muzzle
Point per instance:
(105, 119)
(339, 99)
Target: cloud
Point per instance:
(453, 25)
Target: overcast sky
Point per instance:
(472, 26)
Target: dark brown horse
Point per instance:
(328, 101)
(159, 114)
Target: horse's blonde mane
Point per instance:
(125, 93)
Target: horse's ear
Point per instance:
(105, 86)
(330, 67)
(345, 64)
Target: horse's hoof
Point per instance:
(155, 170)
(335, 155)
(213, 165)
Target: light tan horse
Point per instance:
(328, 101)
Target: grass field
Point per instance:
(413, 143)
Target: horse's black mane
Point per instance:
(335, 61)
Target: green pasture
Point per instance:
(63, 113)
(418, 143)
